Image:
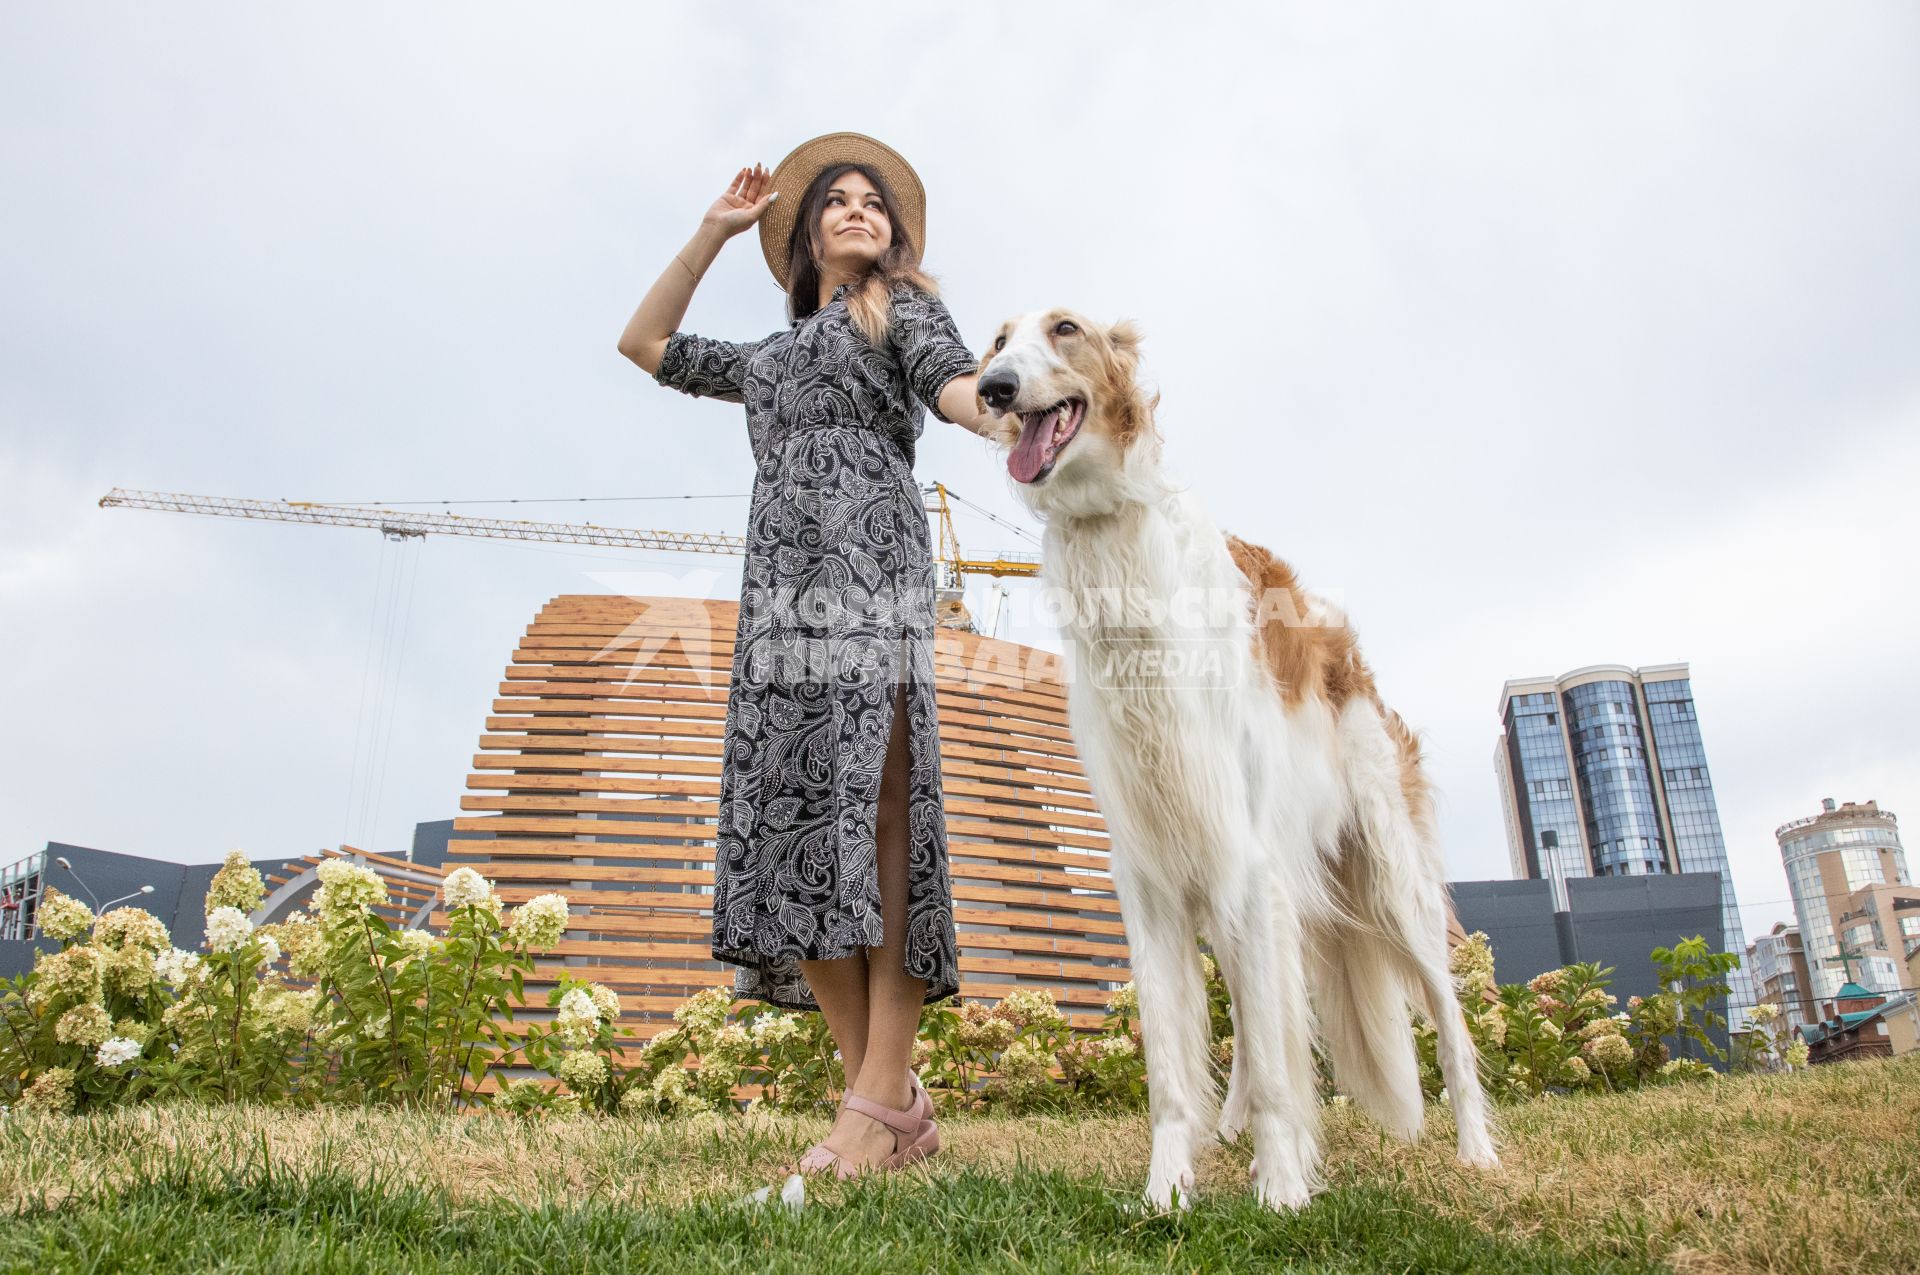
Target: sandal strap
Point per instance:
(904, 1121)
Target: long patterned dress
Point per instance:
(836, 608)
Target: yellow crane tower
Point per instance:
(950, 568)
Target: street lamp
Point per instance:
(98, 907)
(145, 889)
(61, 859)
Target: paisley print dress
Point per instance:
(836, 611)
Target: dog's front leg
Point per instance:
(1273, 1031)
(1181, 1096)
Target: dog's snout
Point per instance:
(999, 388)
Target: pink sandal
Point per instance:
(916, 1121)
(923, 1104)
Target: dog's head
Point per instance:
(1064, 392)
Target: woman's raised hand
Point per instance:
(741, 204)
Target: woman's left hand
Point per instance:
(960, 402)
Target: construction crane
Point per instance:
(950, 568)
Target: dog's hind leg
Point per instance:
(1181, 1095)
(1405, 901)
(1233, 1112)
(1426, 953)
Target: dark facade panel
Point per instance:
(178, 899)
(430, 842)
(1614, 921)
(1517, 917)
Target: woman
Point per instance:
(830, 876)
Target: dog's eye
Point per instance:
(1000, 342)
(1066, 327)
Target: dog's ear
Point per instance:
(1125, 336)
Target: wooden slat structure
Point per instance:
(599, 774)
(410, 887)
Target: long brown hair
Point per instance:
(869, 301)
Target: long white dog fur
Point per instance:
(1256, 790)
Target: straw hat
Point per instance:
(792, 176)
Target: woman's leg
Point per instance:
(840, 986)
(893, 998)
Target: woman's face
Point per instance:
(854, 229)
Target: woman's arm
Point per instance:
(665, 304)
(940, 370)
(960, 403)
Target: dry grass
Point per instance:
(1813, 1172)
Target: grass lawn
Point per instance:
(1814, 1172)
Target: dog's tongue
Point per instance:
(1035, 447)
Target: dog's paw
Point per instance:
(1172, 1191)
(1473, 1143)
(1282, 1189)
(1480, 1157)
(1282, 1196)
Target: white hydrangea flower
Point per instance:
(279, 1009)
(137, 926)
(464, 887)
(269, 948)
(116, 1051)
(581, 1070)
(606, 1001)
(83, 1025)
(238, 884)
(346, 889)
(1029, 1006)
(541, 920)
(775, 1028)
(174, 966)
(128, 970)
(227, 929)
(705, 1010)
(578, 1019)
(62, 916)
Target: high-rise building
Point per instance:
(1778, 965)
(1858, 909)
(1603, 773)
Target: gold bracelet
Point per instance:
(690, 270)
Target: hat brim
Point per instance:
(792, 176)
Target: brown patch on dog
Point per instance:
(1414, 785)
(1305, 657)
(1323, 659)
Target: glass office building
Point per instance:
(1839, 864)
(1603, 773)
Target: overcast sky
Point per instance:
(1541, 339)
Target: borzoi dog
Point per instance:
(1256, 789)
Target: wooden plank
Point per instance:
(583, 728)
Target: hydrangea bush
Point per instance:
(1560, 1032)
(409, 1016)
(387, 1014)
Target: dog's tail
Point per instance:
(1365, 1027)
